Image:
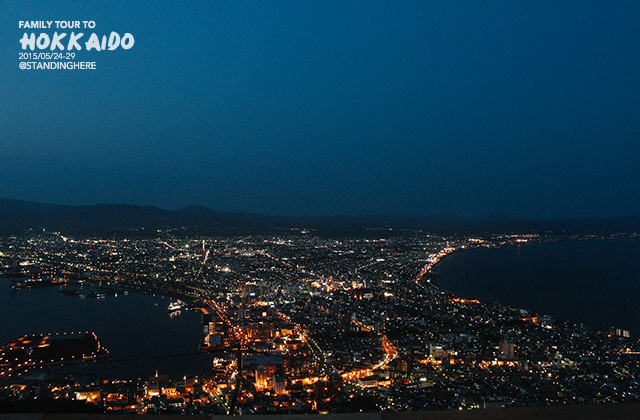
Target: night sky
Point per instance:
(530, 109)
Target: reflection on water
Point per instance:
(175, 314)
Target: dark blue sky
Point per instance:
(333, 107)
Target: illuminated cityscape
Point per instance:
(296, 321)
(415, 210)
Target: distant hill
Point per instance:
(17, 215)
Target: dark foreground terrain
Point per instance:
(629, 411)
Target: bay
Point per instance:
(130, 326)
(591, 282)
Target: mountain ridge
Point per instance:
(18, 215)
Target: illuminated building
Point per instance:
(261, 330)
(507, 350)
(279, 384)
(261, 377)
(156, 384)
(249, 293)
(617, 332)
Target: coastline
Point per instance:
(487, 279)
(154, 331)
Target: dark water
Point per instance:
(129, 326)
(594, 282)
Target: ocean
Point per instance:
(590, 282)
